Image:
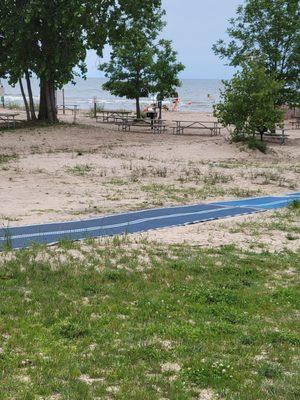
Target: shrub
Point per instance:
(257, 144)
(249, 103)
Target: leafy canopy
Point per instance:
(129, 70)
(51, 38)
(165, 70)
(270, 29)
(248, 101)
(140, 63)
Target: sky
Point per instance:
(193, 26)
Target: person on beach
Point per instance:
(175, 104)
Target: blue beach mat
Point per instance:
(137, 221)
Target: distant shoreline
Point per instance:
(197, 95)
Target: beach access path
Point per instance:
(138, 221)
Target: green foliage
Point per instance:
(80, 169)
(50, 38)
(248, 102)
(295, 205)
(5, 158)
(165, 70)
(257, 144)
(72, 328)
(270, 29)
(129, 70)
(141, 64)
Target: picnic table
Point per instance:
(280, 137)
(212, 126)
(296, 123)
(70, 107)
(156, 125)
(9, 119)
(111, 115)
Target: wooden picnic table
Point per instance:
(9, 119)
(212, 126)
(296, 124)
(156, 125)
(70, 107)
(111, 115)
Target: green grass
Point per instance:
(285, 220)
(106, 324)
(5, 158)
(182, 194)
(80, 169)
(295, 205)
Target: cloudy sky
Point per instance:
(193, 26)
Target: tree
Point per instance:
(141, 64)
(46, 39)
(166, 69)
(269, 29)
(129, 70)
(14, 48)
(50, 39)
(249, 102)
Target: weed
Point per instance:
(295, 205)
(80, 169)
(5, 158)
(143, 172)
(214, 177)
(270, 370)
(254, 144)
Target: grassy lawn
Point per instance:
(123, 320)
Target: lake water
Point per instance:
(194, 94)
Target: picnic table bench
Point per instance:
(281, 137)
(156, 125)
(212, 126)
(108, 116)
(9, 119)
(296, 124)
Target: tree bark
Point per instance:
(31, 102)
(160, 109)
(43, 107)
(25, 100)
(47, 110)
(138, 108)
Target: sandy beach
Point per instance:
(89, 169)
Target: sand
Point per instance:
(79, 171)
(250, 233)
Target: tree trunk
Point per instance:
(43, 107)
(47, 110)
(138, 108)
(31, 102)
(25, 100)
(160, 109)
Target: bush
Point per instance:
(248, 103)
(252, 143)
(257, 144)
